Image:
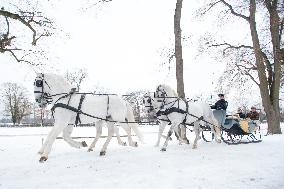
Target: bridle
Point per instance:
(149, 102)
(39, 82)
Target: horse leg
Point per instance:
(216, 130)
(177, 134)
(109, 137)
(40, 152)
(170, 132)
(128, 132)
(98, 135)
(161, 130)
(56, 130)
(67, 137)
(197, 134)
(120, 142)
(183, 134)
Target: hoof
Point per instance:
(90, 150)
(136, 144)
(42, 159)
(194, 147)
(102, 153)
(84, 144)
(187, 141)
(123, 144)
(163, 149)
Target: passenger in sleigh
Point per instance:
(253, 119)
(240, 114)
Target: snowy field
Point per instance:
(212, 165)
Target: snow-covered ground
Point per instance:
(211, 165)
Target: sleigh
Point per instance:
(236, 131)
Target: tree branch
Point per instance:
(233, 11)
(230, 46)
(23, 21)
(247, 73)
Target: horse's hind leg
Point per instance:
(217, 131)
(67, 137)
(120, 142)
(197, 133)
(109, 137)
(127, 129)
(98, 135)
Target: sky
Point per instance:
(121, 44)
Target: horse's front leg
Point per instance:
(109, 137)
(183, 134)
(162, 126)
(170, 132)
(67, 137)
(45, 149)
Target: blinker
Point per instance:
(38, 83)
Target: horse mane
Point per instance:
(59, 81)
(168, 90)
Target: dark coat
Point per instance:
(253, 115)
(241, 115)
(220, 105)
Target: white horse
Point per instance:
(177, 111)
(149, 103)
(69, 108)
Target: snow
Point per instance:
(211, 165)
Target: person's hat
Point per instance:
(221, 95)
(252, 107)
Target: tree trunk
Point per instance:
(269, 93)
(178, 55)
(178, 50)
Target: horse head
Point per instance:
(42, 90)
(49, 86)
(148, 102)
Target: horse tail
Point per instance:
(134, 126)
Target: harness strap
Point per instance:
(107, 116)
(170, 110)
(66, 106)
(79, 109)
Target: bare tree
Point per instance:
(178, 50)
(15, 101)
(136, 100)
(22, 18)
(262, 60)
(77, 77)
